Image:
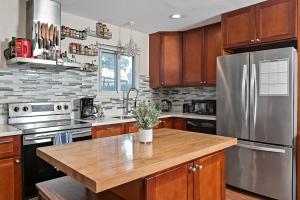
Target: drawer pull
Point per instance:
(6, 141)
(17, 161)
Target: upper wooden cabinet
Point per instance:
(238, 27)
(276, 20)
(165, 59)
(212, 46)
(192, 72)
(201, 47)
(270, 21)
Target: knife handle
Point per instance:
(40, 43)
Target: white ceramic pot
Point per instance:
(146, 135)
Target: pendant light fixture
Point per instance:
(131, 48)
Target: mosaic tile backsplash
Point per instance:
(32, 84)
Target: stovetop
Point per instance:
(49, 126)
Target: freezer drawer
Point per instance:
(263, 169)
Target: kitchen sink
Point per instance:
(124, 117)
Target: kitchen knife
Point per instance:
(54, 36)
(47, 36)
(39, 35)
(43, 35)
(51, 29)
(57, 37)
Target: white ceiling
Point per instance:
(152, 15)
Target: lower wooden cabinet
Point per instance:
(209, 181)
(10, 168)
(172, 184)
(179, 123)
(131, 127)
(202, 179)
(107, 130)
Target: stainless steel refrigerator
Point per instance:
(257, 103)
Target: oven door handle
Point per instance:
(50, 137)
(189, 123)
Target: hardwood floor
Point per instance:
(238, 195)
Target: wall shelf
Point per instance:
(41, 62)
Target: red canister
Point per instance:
(23, 48)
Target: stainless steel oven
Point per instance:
(40, 123)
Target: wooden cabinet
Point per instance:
(107, 130)
(10, 168)
(201, 47)
(212, 46)
(179, 123)
(239, 27)
(167, 122)
(172, 184)
(199, 180)
(270, 21)
(276, 20)
(131, 127)
(192, 70)
(165, 59)
(209, 181)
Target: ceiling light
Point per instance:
(175, 16)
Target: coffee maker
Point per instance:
(87, 108)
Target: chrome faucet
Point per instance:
(126, 101)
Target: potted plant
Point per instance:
(146, 115)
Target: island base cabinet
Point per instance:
(209, 181)
(202, 179)
(173, 184)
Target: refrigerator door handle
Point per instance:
(257, 148)
(254, 88)
(245, 93)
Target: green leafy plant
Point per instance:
(146, 115)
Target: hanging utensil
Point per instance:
(51, 29)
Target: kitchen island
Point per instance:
(174, 166)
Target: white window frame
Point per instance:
(118, 92)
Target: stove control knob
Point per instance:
(25, 108)
(58, 107)
(16, 109)
(66, 107)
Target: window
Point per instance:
(117, 71)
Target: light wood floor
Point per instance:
(237, 195)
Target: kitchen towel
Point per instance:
(62, 138)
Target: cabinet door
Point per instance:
(212, 46)
(209, 181)
(131, 128)
(173, 184)
(154, 60)
(192, 49)
(179, 123)
(276, 20)
(171, 63)
(167, 123)
(108, 130)
(239, 27)
(10, 178)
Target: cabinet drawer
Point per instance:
(10, 146)
(108, 130)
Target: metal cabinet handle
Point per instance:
(6, 141)
(252, 40)
(192, 169)
(257, 39)
(198, 167)
(18, 161)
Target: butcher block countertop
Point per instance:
(104, 163)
